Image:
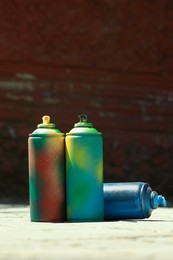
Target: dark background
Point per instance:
(110, 59)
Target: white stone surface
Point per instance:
(131, 239)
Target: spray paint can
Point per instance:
(46, 173)
(130, 200)
(84, 173)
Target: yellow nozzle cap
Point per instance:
(46, 120)
(46, 123)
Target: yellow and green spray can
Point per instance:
(84, 173)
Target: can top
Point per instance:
(150, 200)
(46, 128)
(83, 126)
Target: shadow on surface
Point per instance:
(146, 220)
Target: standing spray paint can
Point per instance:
(46, 173)
(130, 200)
(84, 173)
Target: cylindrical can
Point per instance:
(84, 173)
(46, 156)
(130, 200)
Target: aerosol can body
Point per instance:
(130, 200)
(84, 173)
(46, 173)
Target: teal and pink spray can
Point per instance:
(84, 173)
(47, 173)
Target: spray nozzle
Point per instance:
(83, 121)
(157, 200)
(83, 118)
(46, 123)
(46, 120)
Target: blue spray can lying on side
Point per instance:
(130, 200)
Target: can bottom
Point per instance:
(49, 220)
(84, 220)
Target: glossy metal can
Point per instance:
(46, 157)
(84, 173)
(130, 200)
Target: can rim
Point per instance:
(80, 133)
(40, 135)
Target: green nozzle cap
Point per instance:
(83, 121)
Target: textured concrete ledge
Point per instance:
(131, 239)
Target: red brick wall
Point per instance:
(110, 59)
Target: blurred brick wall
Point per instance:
(110, 59)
